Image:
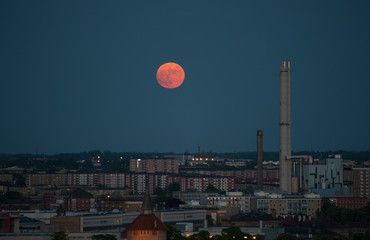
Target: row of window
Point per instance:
(146, 232)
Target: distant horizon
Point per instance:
(181, 153)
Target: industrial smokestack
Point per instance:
(259, 160)
(285, 128)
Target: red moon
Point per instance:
(170, 75)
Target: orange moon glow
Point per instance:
(170, 75)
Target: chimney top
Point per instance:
(284, 64)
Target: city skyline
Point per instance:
(78, 76)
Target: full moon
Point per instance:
(170, 75)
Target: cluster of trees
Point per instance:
(18, 181)
(164, 197)
(343, 215)
(64, 236)
(230, 233)
(12, 196)
(356, 236)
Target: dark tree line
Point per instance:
(230, 233)
(343, 215)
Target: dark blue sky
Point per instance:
(80, 75)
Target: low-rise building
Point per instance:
(196, 216)
(90, 223)
(231, 199)
(110, 204)
(31, 225)
(79, 200)
(350, 202)
(290, 205)
(9, 223)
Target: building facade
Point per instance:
(135, 182)
(155, 165)
(79, 200)
(290, 205)
(361, 182)
(325, 178)
(231, 199)
(350, 202)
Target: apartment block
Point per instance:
(155, 165)
(361, 182)
(350, 202)
(290, 205)
(231, 199)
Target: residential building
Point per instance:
(350, 202)
(231, 199)
(155, 165)
(79, 200)
(361, 182)
(289, 205)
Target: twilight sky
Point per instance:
(80, 75)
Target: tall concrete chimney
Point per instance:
(285, 149)
(259, 160)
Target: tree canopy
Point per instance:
(233, 232)
(286, 236)
(173, 233)
(12, 196)
(343, 215)
(103, 237)
(211, 188)
(172, 187)
(230, 233)
(59, 236)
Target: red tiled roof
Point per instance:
(147, 222)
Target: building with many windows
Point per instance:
(155, 165)
(231, 199)
(289, 205)
(361, 182)
(349, 202)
